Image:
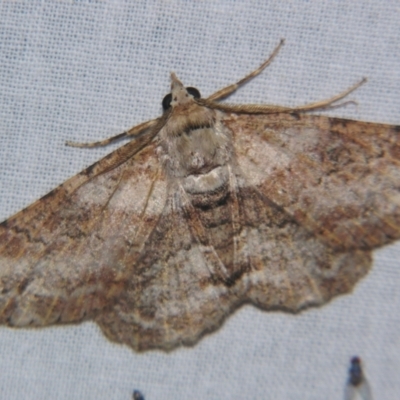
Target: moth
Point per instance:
(357, 382)
(209, 206)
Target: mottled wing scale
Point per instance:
(67, 256)
(209, 207)
(338, 178)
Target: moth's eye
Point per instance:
(166, 103)
(194, 92)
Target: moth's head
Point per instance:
(179, 94)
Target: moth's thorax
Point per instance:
(195, 148)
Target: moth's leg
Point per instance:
(228, 90)
(123, 153)
(135, 131)
(318, 105)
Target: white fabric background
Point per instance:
(84, 70)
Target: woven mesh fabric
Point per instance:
(84, 70)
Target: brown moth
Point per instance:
(208, 207)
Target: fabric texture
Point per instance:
(85, 70)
